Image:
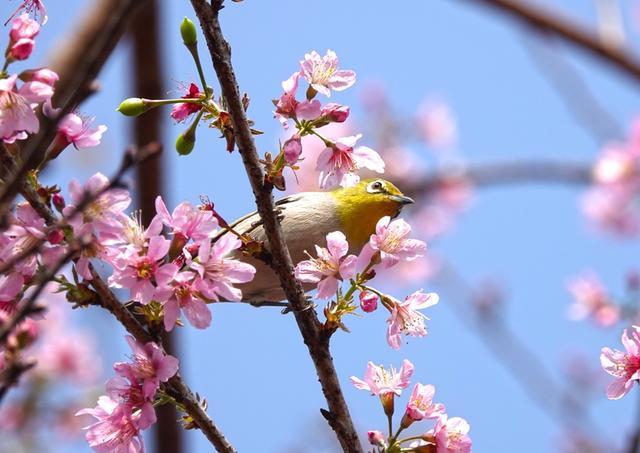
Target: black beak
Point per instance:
(402, 199)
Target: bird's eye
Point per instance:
(375, 186)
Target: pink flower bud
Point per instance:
(21, 49)
(335, 113)
(368, 301)
(44, 75)
(55, 237)
(292, 149)
(376, 438)
(24, 27)
(58, 201)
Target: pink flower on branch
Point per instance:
(16, 107)
(405, 317)
(451, 435)
(217, 272)
(181, 294)
(421, 403)
(624, 366)
(339, 162)
(380, 381)
(591, 300)
(392, 241)
(330, 266)
(116, 428)
(187, 221)
(287, 104)
(141, 273)
(181, 111)
(77, 131)
(22, 34)
(323, 74)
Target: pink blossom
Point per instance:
(335, 113)
(181, 111)
(379, 381)
(330, 266)
(44, 75)
(368, 301)
(77, 131)
(181, 294)
(436, 125)
(287, 104)
(338, 162)
(323, 74)
(10, 287)
(22, 34)
(26, 229)
(421, 403)
(140, 273)
(625, 367)
(391, 240)
(129, 391)
(451, 435)
(376, 438)
(69, 354)
(105, 212)
(308, 110)
(150, 364)
(292, 149)
(616, 164)
(116, 429)
(16, 112)
(217, 273)
(405, 317)
(187, 221)
(591, 299)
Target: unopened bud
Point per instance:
(58, 201)
(184, 144)
(188, 32)
(134, 106)
(292, 149)
(55, 237)
(335, 113)
(376, 438)
(368, 301)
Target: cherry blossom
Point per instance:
(181, 294)
(591, 300)
(405, 317)
(421, 403)
(339, 162)
(451, 435)
(368, 301)
(330, 266)
(391, 240)
(217, 272)
(181, 111)
(16, 112)
(380, 381)
(624, 366)
(77, 131)
(187, 221)
(323, 74)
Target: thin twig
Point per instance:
(11, 374)
(316, 339)
(570, 31)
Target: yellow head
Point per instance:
(361, 206)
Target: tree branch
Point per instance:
(315, 338)
(566, 29)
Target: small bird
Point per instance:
(307, 218)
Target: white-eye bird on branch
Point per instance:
(307, 218)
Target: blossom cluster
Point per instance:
(389, 245)
(611, 203)
(181, 273)
(341, 159)
(449, 435)
(127, 408)
(623, 366)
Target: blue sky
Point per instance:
(251, 364)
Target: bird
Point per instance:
(307, 217)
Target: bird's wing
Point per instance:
(253, 218)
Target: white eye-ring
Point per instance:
(375, 186)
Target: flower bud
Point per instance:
(376, 438)
(55, 237)
(335, 113)
(368, 301)
(133, 106)
(185, 143)
(43, 75)
(292, 149)
(188, 32)
(58, 201)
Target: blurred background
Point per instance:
(441, 85)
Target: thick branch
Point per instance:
(316, 340)
(570, 31)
